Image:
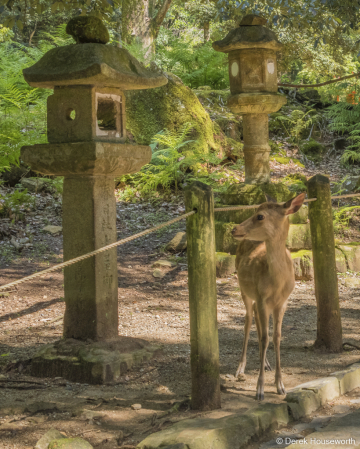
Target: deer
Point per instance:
(266, 278)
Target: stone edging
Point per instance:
(237, 430)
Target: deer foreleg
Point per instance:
(258, 328)
(248, 321)
(278, 317)
(264, 325)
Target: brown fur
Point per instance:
(266, 278)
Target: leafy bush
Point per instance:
(195, 62)
(296, 182)
(312, 149)
(15, 204)
(343, 216)
(173, 166)
(345, 118)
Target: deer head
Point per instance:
(270, 220)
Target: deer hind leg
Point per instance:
(258, 328)
(264, 326)
(278, 315)
(248, 321)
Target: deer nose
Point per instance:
(233, 231)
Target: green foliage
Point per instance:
(345, 118)
(342, 217)
(312, 149)
(195, 62)
(298, 122)
(174, 165)
(296, 182)
(14, 204)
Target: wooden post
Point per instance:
(202, 297)
(329, 332)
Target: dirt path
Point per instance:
(153, 309)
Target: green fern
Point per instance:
(345, 118)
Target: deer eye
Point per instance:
(260, 217)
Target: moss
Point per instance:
(274, 147)
(296, 182)
(170, 106)
(249, 194)
(302, 253)
(223, 238)
(313, 150)
(285, 160)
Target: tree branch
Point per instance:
(160, 16)
(300, 86)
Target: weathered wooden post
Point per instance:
(202, 296)
(329, 332)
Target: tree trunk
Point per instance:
(138, 24)
(206, 31)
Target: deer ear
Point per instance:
(294, 204)
(270, 199)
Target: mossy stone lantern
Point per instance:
(87, 145)
(253, 85)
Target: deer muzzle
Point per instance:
(238, 232)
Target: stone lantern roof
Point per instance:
(91, 63)
(249, 34)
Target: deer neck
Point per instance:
(276, 254)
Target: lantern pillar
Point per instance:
(253, 85)
(87, 145)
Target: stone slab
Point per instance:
(224, 241)
(327, 388)
(352, 255)
(301, 216)
(225, 265)
(86, 158)
(342, 433)
(93, 363)
(303, 265)
(302, 403)
(229, 432)
(46, 439)
(70, 443)
(349, 379)
(299, 237)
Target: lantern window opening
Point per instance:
(109, 115)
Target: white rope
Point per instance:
(97, 251)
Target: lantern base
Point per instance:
(94, 362)
(256, 103)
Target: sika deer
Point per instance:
(266, 278)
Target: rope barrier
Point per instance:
(254, 206)
(141, 234)
(97, 251)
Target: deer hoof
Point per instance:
(280, 387)
(260, 392)
(259, 395)
(240, 370)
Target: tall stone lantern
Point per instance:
(87, 145)
(253, 85)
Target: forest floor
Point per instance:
(154, 309)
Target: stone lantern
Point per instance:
(87, 145)
(253, 85)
